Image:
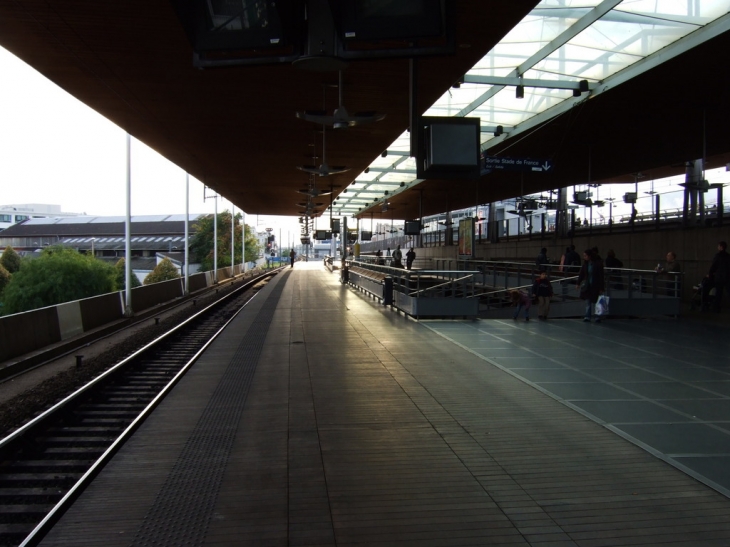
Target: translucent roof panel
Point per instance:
(75, 220)
(39, 221)
(557, 45)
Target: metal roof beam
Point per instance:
(527, 82)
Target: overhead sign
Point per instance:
(517, 164)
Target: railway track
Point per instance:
(45, 464)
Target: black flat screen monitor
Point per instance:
(412, 227)
(366, 236)
(389, 19)
(448, 148)
(321, 235)
(240, 31)
(387, 28)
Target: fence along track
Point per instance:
(47, 463)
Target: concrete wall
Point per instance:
(24, 333)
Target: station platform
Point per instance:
(321, 417)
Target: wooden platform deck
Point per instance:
(321, 417)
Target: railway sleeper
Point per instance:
(70, 452)
(37, 480)
(108, 407)
(24, 496)
(19, 513)
(57, 466)
(78, 441)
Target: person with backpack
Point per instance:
(717, 278)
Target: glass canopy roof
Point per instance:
(558, 45)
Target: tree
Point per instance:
(201, 246)
(5, 277)
(121, 276)
(164, 271)
(10, 260)
(58, 275)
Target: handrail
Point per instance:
(442, 284)
(561, 280)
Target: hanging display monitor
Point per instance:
(412, 227)
(389, 28)
(448, 148)
(366, 236)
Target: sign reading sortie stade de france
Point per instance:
(517, 164)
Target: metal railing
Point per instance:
(418, 292)
(637, 292)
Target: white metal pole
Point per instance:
(187, 233)
(233, 239)
(215, 240)
(243, 241)
(128, 235)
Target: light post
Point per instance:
(233, 239)
(215, 234)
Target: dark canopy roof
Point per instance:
(235, 128)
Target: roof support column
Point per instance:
(414, 113)
(128, 236)
(186, 259)
(492, 223)
(561, 213)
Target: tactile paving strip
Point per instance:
(186, 501)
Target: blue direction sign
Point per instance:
(517, 164)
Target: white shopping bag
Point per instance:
(602, 306)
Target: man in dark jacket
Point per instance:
(572, 258)
(718, 278)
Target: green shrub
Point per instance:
(59, 275)
(10, 260)
(164, 271)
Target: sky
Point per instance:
(55, 150)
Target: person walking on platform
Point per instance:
(570, 260)
(542, 289)
(397, 257)
(611, 263)
(410, 257)
(521, 300)
(292, 255)
(718, 278)
(542, 260)
(590, 282)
